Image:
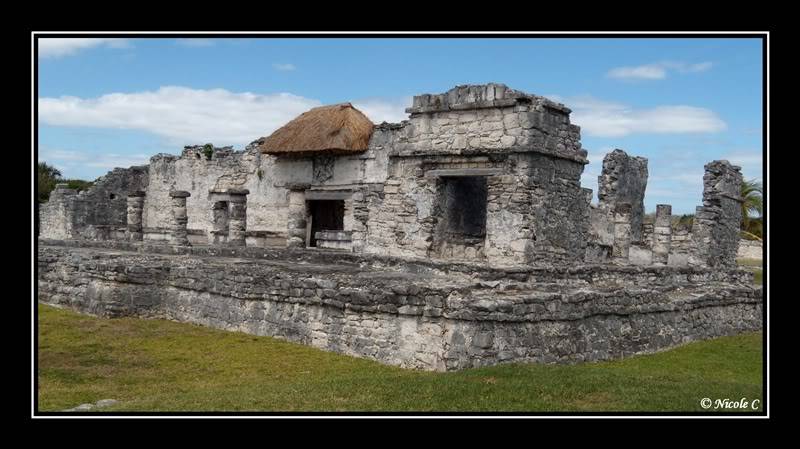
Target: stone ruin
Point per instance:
(460, 237)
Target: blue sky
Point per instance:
(679, 102)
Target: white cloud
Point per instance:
(73, 163)
(643, 72)
(383, 110)
(182, 115)
(284, 67)
(694, 68)
(657, 71)
(195, 42)
(57, 47)
(62, 155)
(606, 119)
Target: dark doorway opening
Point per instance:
(465, 206)
(325, 215)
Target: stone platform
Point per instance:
(411, 313)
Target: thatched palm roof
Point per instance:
(335, 129)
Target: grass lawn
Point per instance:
(158, 365)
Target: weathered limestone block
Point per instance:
(237, 218)
(179, 217)
(135, 209)
(219, 217)
(57, 216)
(717, 223)
(296, 224)
(622, 233)
(639, 254)
(662, 234)
(750, 249)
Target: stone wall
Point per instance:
(426, 315)
(750, 249)
(488, 117)
(198, 171)
(99, 212)
(535, 209)
(268, 178)
(525, 148)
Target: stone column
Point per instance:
(622, 233)
(662, 234)
(296, 226)
(135, 208)
(219, 222)
(716, 227)
(237, 217)
(623, 180)
(179, 217)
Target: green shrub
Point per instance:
(208, 150)
(78, 184)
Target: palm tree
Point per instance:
(753, 202)
(47, 177)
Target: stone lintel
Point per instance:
(136, 193)
(295, 186)
(179, 194)
(463, 172)
(579, 157)
(227, 197)
(328, 195)
(230, 191)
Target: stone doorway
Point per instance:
(461, 232)
(323, 215)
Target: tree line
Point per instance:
(47, 176)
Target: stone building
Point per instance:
(480, 173)
(481, 179)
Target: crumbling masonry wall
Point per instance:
(99, 212)
(712, 241)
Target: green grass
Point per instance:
(749, 262)
(158, 365)
(755, 265)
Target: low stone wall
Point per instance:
(412, 314)
(750, 249)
